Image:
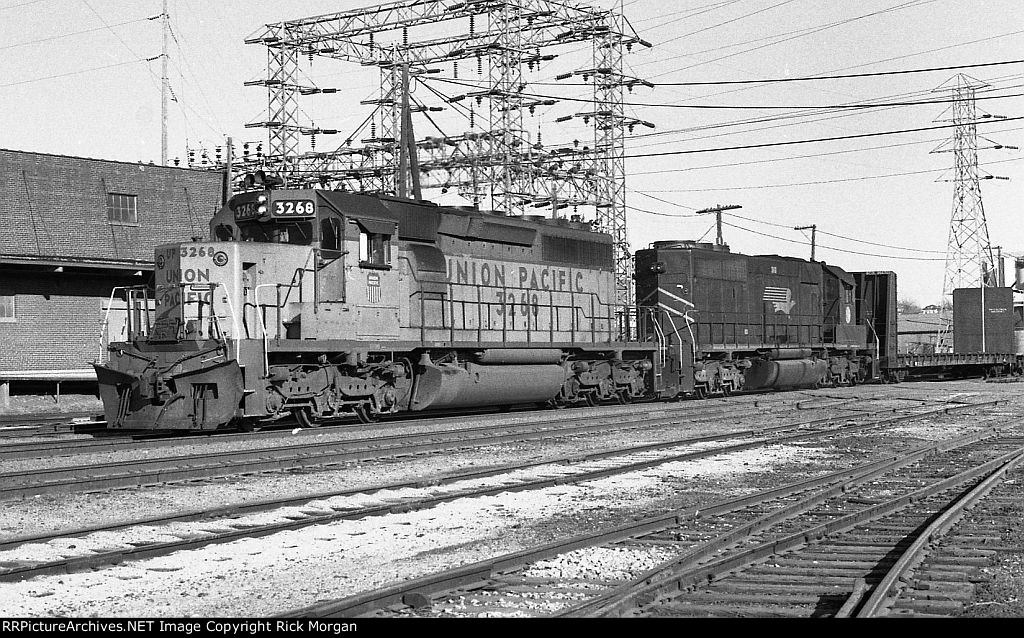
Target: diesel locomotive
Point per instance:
(324, 305)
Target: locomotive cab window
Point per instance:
(298, 233)
(330, 235)
(374, 249)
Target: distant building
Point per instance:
(931, 310)
(917, 333)
(71, 229)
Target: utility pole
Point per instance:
(814, 230)
(165, 86)
(717, 210)
(1000, 274)
(228, 173)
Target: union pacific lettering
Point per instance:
(462, 270)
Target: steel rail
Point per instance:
(220, 464)
(119, 555)
(36, 449)
(680, 576)
(142, 439)
(887, 590)
(417, 591)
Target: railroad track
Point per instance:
(224, 525)
(96, 476)
(739, 406)
(936, 576)
(137, 441)
(32, 425)
(823, 547)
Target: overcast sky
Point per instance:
(76, 81)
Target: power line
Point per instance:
(767, 223)
(748, 107)
(64, 75)
(812, 140)
(841, 250)
(730, 21)
(23, 4)
(786, 239)
(68, 35)
(811, 78)
(814, 183)
(859, 241)
(798, 34)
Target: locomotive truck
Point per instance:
(324, 305)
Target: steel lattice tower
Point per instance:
(495, 162)
(969, 258)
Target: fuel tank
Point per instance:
(454, 386)
(784, 374)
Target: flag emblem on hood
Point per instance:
(780, 298)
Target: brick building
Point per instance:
(71, 229)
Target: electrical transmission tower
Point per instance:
(489, 148)
(969, 257)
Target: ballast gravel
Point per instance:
(287, 570)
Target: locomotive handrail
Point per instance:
(104, 342)
(263, 323)
(599, 323)
(236, 321)
(212, 286)
(878, 343)
(662, 344)
(675, 330)
(105, 322)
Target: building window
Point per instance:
(7, 308)
(122, 208)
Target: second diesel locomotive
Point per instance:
(323, 304)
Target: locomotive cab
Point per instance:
(316, 264)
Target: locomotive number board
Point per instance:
(293, 208)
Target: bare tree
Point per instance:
(908, 307)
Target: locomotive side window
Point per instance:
(224, 232)
(374, 248)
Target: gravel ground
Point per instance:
(265, 576)
(38, 404)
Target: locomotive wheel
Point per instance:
(700, 392)
(622, 396)
(590, 399)
(304, 418)
(365, 415)
(250, 426)
(727, 389)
